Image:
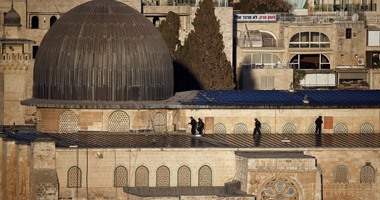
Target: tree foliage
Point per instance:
(264, 6)
(203, 51)
(169, 29)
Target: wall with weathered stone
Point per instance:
(100, 178)
(276, 119)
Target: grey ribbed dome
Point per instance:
(103, 50)
(12, 18)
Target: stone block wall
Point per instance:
(15, 162)
(101, 171)
(354, 160)
(302, 119)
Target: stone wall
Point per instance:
(41, 170)
(276, 119)
(100, 171)
(354, 160)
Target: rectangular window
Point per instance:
(373, 38)
(35, 50)
(348, 33)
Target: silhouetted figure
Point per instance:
(201, 126)
(257, 127)
(318, 125)
(193, 124)
(257, 138)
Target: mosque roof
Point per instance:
(103, 50)
(183, 140)
(265, 99)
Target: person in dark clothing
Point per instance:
(257, 127)
(193, 124)
(318, 125)
(200, 126)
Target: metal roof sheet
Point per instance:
(282, 98)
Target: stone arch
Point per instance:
(184, 176)
(121, 176)
(279, 188)
(317, 61)
(205, 176)
(265, 35)
(367, 174)
(74, 177)
(163, 176)
(142, 177)
(340, 128)
(289, 128)
(159, 123)
(366, 128)
(240, 128)
(341, 174)
(68, 122)
(219, 128)
(265, 128)
(118, 121)
(53, 19)
(35, 22)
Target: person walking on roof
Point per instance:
(318, 125)
(201, 126)
(193, 124)
(257, 127)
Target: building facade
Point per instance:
(139, 147)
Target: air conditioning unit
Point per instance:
(360, 61)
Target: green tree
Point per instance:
(203, 51)
(264, 6)
(183, 79)
(169, 29)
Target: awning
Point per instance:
(352, 75)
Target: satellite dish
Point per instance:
(355, 17)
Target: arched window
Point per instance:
(68, 122)
(53, 19)
(184, 176)
(118, 121)
(341, 174)
(367, 174)
(35, 22)
(309, 40)
(341, 128)
(289, 128)
(256, 38)
(121, 176)
(265, 128)
(163, 177)
(309, 61)
(74, 177)
(312, 128)
(159, 123)
(280, 188)
(219, 128)
(366, 128)
(262, 61)
(240, 128)
(205, 176)
(142, 177)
